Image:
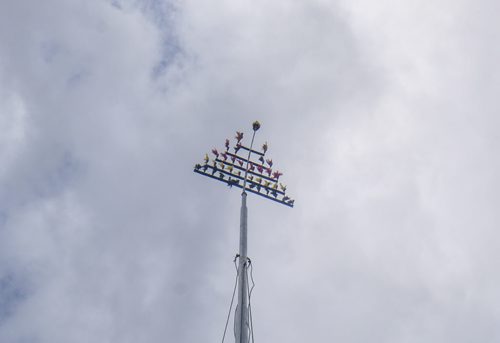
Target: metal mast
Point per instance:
(230, 167)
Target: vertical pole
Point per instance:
(242, 333)
(241, 320)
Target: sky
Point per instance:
(383, 117)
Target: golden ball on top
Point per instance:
(256, 125)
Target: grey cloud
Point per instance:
(381, 116)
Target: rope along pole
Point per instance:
(232, 298)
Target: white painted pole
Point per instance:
(241, 321)
(242, 332)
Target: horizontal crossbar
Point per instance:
(241, 186)
(243, 169)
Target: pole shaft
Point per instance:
(242, 326)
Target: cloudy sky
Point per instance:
(383, 116)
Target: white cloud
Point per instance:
(382, 117)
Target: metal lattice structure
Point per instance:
(231, 167)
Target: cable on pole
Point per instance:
(232, 298)
(250, 290)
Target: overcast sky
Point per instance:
(383, 116)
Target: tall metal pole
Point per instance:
(227, 167)
(241, 320)
(242, 326)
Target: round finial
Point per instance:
(256, 125)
